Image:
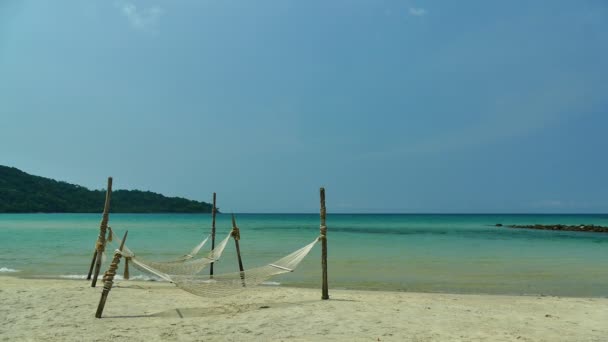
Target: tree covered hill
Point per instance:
(24, 193)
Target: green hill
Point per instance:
(24, 193)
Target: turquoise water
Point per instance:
(428, 253)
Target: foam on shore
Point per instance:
(116, 277)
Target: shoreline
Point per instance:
(118, 278)
(63, 310)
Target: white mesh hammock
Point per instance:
(231, 283)
(221, 284)
(186, 265)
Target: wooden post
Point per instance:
(323, 229)
(236, 234)
(213, 212)
(108, 277)
(92, 264)
(101, 239)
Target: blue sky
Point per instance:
(393, 106)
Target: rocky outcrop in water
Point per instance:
(562, 227)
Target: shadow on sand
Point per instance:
(222, 310)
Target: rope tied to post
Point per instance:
(236, 233)
(100, 246)
(111, 272)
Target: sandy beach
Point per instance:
(63, 310)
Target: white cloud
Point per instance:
(141, 19)
(418, 11)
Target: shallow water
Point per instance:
(429, 253)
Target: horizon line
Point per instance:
(314, 213)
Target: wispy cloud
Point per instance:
(141, 19)
(418, 11)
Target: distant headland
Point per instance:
(24, 193)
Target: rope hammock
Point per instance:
(231, 283)
(184, 274)
(186, 265)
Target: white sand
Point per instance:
(63, 310)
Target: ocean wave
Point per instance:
(116, 277)
(8, 270)
(271, 283)
(141, 277)
(73, 276)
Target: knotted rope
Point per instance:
(109, 275)
(99, 246)
(236, 233)
(323, 235)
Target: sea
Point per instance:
(390, 252)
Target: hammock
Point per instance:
(228, 283)
(186, 265)
(231, 283)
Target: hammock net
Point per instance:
(184, 274)
(231, 283)
(187, 265)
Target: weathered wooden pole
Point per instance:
(323, 229)
(236, 234)
(213, 212)
(101, 239)
(92, 264)
(108, 277)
